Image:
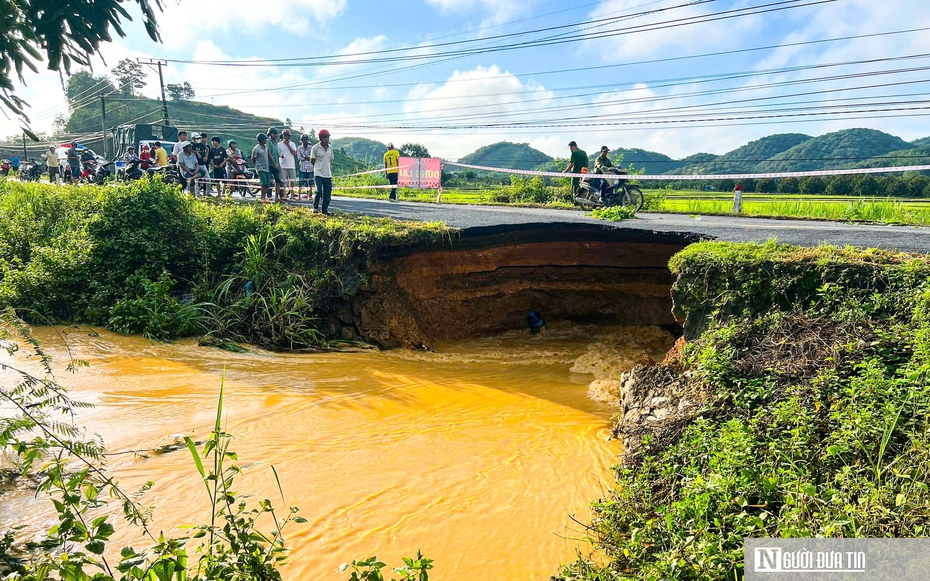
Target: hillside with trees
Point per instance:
(840, 149)
(362, 149)
(745, 158)
(507, 155)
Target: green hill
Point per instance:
(653, 162)
(221, 121)
(840, 149)
(362, 149)
(507, 155)
(745, 158)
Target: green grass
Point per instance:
(692, 202)
(809, 392)
(145, 258)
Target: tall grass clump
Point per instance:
(145, 258)
(806, 393)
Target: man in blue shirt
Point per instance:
(14, 163)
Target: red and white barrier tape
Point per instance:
(738, 176)
(362, 173)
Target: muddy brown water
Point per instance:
(478, 454)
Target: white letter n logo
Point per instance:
(768, 559)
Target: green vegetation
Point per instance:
(365, 150)
(846, 148)
(876, 210)
(745, 158)
(614, 213)
(508, 155)
(145, 258)
(805, 395)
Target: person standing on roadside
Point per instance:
(390, 167)
(14, 163)
(161, 156)
(51, 160)
(306, 166)
(178, 147)
(321, 156)
(287, 155)
(217, 156)
(274, 163)
(576, 164)
(74, 162)
(200, 150)
(261, 162)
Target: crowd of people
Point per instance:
(285, 170)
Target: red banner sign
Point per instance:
(419, 172)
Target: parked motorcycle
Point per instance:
(5, 168)
(605, 190)
(32, 170)
(242, 172)
(132, 171)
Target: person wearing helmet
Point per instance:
(51, 160)
(236, 164)
(391, 156)
(321, 156)
(74, 162)
(217, 158)
(275, 163)
(306, 166)
(189, 166)
(262, 162)
(287, 156)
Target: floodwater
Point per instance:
(479, 455)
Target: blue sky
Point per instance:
(678, 107)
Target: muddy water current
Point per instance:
(478, 454)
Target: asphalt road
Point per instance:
(799, 232)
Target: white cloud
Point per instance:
(499, 10)
(185, 22)
(680, 39)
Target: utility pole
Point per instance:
(103, 111)
(24, 147)
(161, 81)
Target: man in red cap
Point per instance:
(321, 156)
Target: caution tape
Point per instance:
(692, 177)
(362, 173)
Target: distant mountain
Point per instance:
(653, 162)
(922, 143)
(507, 155)
(699, 158)
(846, 148)
(744, 159)
(367, 150)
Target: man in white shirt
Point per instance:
(306, 168)
(321, 156)
(182, 137)
(287, 154)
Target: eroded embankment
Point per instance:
(488, 280)
(798, 408)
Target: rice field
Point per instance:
(800, 206)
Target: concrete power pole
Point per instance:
(103, 111)
(161, 82)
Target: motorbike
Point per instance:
(32, 170)
(5, 168)
(606, 190)
(103, 172)
(242, 172)
(132, 171)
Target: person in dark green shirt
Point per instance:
(577, 161)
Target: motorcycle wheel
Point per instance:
(171, 179)
(633, 198)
